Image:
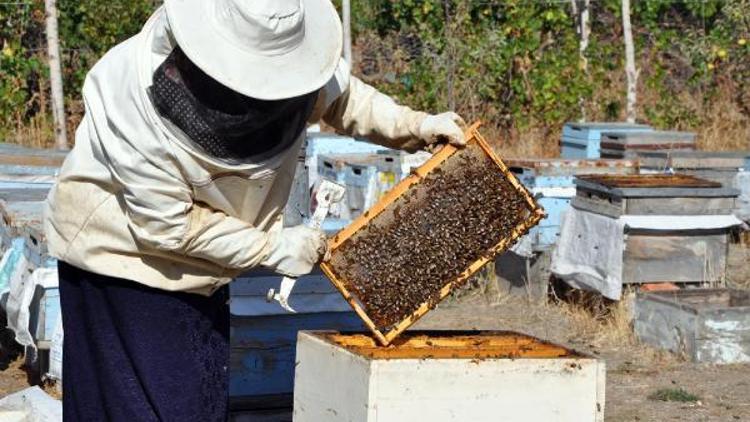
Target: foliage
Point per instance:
(673, 394)
(514, 64)
(88, 28)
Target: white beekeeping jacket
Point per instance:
(136, 200)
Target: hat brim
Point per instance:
(267, 77)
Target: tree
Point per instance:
(55, 72)
(630, 69)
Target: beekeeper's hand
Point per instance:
(295, 250)
(442, 128)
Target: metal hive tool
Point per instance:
(428, 235)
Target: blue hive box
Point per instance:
(321, 143)
(264, 335)
(582, 140)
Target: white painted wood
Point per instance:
(335, 385)
(330, 383)
(55, 72)
(630, 69)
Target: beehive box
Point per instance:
(366, 177)
(690, 254)
(444, 376)
(706, 325)
(322, 143)
(21, 209)
(626, 144)
(428, 235)
(582, 140)
(653, 194)
(552, 182)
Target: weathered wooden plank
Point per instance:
(707, 325)
(684, 160)
(263, 349)
(679, 206)
(596, 205)
(690, 257)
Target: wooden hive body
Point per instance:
(653, 194)
(445, 376)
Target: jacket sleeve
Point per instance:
(159, 206)
(361, 110)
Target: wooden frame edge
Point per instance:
(472, 134)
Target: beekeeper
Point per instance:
(181, 169)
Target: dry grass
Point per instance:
(36, 133)
(725, 127)
(600, 322)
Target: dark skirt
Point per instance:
(134, 353)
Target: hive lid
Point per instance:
(654, 140)
(606, 125)
(702, 300)
(397, 283)
(654, 185)
(719, 160)
(569, 167)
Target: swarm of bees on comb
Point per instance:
(430, 235)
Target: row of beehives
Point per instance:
(606, 229)
(29, 296)
(669, 233)
(586, 148)
(616, 148)
(263, 334)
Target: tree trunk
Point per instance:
(55, 72)
(630, 69)
(450, 53)
(347, 12)
(585, 30)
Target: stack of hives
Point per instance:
(628, 144)
(525, 269)
(583, 140)
(645, 229)
(367, 176)
(26, 176)
(730, 168)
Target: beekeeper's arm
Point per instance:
(361, 110)
(163, 216)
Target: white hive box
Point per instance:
(444, 376)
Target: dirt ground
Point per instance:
(634, 371)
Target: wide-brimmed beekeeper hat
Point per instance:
(265, 49)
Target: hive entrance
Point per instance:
(428, 236)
